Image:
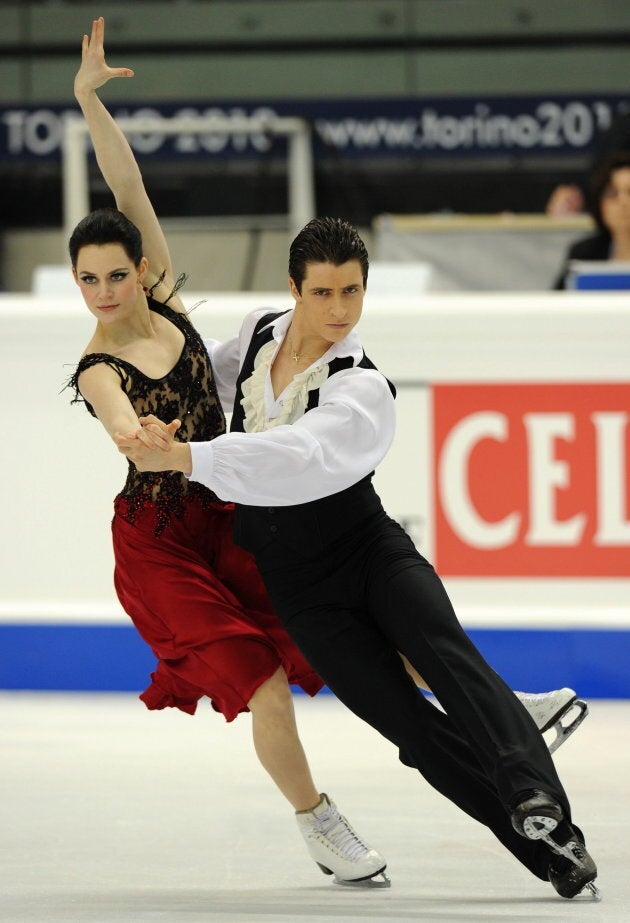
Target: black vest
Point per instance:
(304, 528)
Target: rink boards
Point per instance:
(509, 469)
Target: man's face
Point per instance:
(331, 301)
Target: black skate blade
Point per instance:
(564, 731)
(380, 880)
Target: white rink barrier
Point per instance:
(509, 468)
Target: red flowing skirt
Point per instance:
(198, 600)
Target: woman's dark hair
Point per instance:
(599, 181)
(106, 226)
(326, 240)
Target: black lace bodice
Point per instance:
(187, 392)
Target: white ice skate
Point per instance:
(548, 709)
(337, 849)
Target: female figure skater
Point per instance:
(194, 596)
(312, 419)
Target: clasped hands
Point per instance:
(154, 447)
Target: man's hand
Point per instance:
(158, 433)
(154, 447)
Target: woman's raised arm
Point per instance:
(114, 155)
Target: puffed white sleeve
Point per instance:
(327, 450)
(226, 358)
(225, 361)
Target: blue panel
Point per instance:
(74, 657)
(593, 662)
(601, 281)
(446, 126)
(114, 658)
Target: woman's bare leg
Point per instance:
(277, 743)
(413, 673)
(329, 838)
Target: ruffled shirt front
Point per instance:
(287, 456)
(289, 406)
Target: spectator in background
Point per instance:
(565, 200)
(568, 199)
(608, 201)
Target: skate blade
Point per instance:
(594, 891)
(380, 880)
(540, 827)
(564, 731)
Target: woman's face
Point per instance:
(109, 281)
(331, 300)
(615, 202)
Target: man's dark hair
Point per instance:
(599, 181)
(326, 240)
(106, 226)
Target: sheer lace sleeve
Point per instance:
(87, 362)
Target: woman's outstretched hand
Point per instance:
(154, 448)
(94, 70)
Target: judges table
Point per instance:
(503, 252)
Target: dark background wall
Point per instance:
(293, 51)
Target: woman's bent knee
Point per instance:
(274, 695)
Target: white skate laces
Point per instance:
(337, 848)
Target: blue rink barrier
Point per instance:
(112, 658)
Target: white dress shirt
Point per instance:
(287, 456)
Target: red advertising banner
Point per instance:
(532, 479)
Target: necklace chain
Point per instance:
(297, 357)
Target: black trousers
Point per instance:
(368, 594)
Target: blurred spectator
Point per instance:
(608, 201)
(565, 200)
(569, 199)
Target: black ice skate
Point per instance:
(560, 710)
(568, 878)
(571, 870)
